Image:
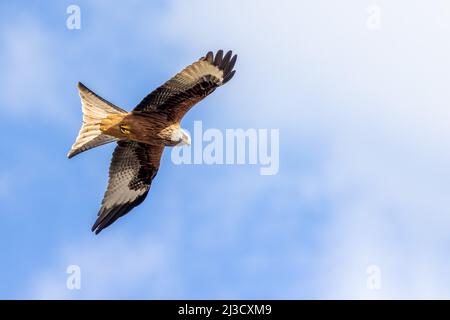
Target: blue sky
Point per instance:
(363, 116)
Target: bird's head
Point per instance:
(182, 137)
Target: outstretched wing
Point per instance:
(179, 94)
(133, 167)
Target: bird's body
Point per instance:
(142, 134)
(149, 128)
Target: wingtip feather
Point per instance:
(218, 59)
(209, 57)
(225, 63)
(229, 76)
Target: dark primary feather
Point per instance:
(133, 167)
(179, 94)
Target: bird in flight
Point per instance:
(142, 134)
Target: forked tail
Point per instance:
(95, 109)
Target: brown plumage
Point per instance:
(143, 133)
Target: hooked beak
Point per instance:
(187, 141)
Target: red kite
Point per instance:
(143, 133)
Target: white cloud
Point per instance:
(318, 61)
(378, 100)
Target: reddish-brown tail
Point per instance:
(95, 109)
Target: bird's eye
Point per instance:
(125, 129)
